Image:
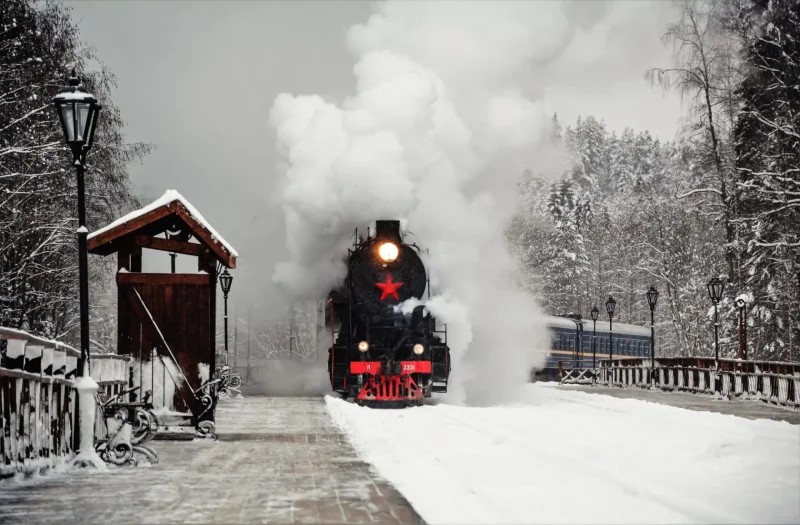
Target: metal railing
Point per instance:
(37, 402)
(572, 372)
(37, 399)
(776, 383)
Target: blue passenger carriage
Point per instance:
(571, 343)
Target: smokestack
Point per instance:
(387, 230)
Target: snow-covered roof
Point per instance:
(169, 197)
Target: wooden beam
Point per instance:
(127, 227)
(162, 278)
(203, 235)
(166, 245)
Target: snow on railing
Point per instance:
(37, 399)
(772, 382)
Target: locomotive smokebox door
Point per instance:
(387, 230)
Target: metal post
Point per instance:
(594, 351)
(743, 332)
(226, 329)
(716, 336)
(173, 256)
(652, 346)
(610, 348)
(249, 338)
(83, 268)
(83, 278)
(235, 341)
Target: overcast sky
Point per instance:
(197, 78)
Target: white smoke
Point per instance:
(438, 133)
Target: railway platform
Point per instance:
(278, 460)
(746, 408)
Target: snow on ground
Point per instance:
(571, 457)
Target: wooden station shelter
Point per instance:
(160, 310)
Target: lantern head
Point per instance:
(225, 280)
(716, 287)
(77, 110)
(611, 306)
(595, 313)
(652, 297)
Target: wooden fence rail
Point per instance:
(772, 382)
(37, 399)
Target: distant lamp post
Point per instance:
(741, 305)
(652, 299)
(716, 287)
(611, 306)
(595, 314)
(78, 110)
(225, 280)
(172, 256)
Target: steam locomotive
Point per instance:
(380, 356)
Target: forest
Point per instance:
(627, 211)
(722, 201)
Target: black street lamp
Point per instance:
(225, 280)
(716, 287)
(78, 111)
(611, 306)
(652, 299)
(595, 315)
(741, 304)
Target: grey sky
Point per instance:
(198, 78)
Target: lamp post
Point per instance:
(172, 256)
(225, 280)
(78, 110)
(652, 298)
(611, 306)
(741, 304)
(716, 287)
(595, 315)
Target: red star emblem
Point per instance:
(389, 288)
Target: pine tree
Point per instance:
(768, 162)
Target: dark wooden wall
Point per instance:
(182, 307)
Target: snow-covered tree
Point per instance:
(768, 162)
(39, 45)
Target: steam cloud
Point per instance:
(437, 134)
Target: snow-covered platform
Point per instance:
(746, 408)
(279, 460)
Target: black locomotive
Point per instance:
(379, 355)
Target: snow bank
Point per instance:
(571, 457)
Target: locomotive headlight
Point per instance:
(418, 349)
(363, 346)
(388, 251)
